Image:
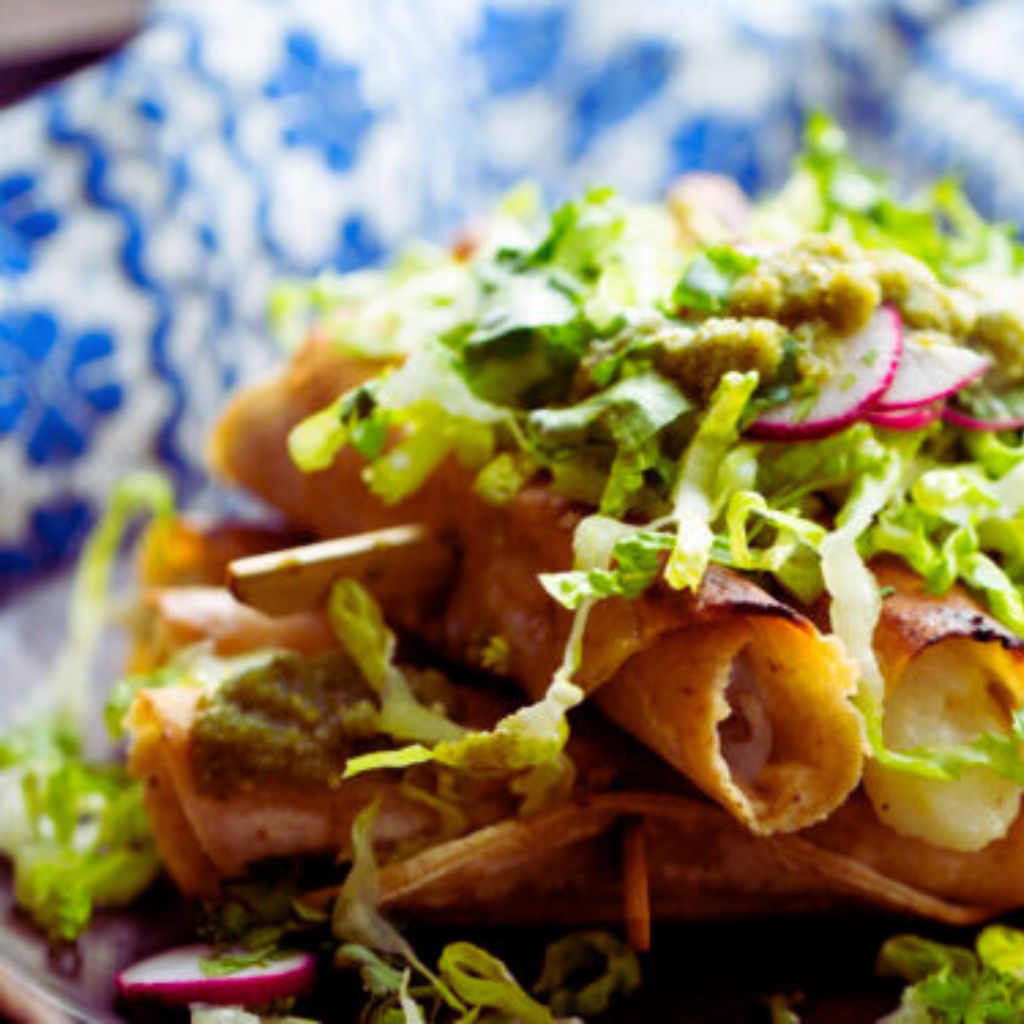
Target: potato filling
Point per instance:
(952, 693)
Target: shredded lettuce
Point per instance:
(956, 985)
(637, 560)
(606, 965)
(570, 357)
(482, 980)
(709, 278)
(137, 494)
(628, 414)
(76, 831)
(525, 738)
(856, 599)
(356, 917)
(378, 314)
(693, 498)
(780, 1010)
(832, 192)
(582, 973)
(359, 625)
(357, 922)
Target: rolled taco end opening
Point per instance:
(788, 737)
(755, 709)
(745, 735)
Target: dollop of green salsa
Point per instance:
(295, 719)
(839, 285)
(698, 360)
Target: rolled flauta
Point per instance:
(993, 876)
(732, 687)
(952, 673)
(564, 864)
(735, 689)
(175, 618)
(203, 838)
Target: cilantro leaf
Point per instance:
(707, 282)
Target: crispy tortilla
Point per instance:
(952, 673)
(695, 712)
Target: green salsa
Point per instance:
(295, 719)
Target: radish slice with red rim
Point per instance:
(870, 361)
(177, 976)
(960, 418)
(928, 373)
(905, 419)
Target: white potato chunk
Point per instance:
(950, 694)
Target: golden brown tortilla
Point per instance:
(808, 754)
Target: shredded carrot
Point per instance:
(636, 886)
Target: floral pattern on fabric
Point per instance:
(148, 204)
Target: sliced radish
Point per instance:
(905, 419)
(928, 373)
(962, 419)
(870, 360)
(176, 976)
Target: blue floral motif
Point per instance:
(54, 389)
(358, 245)
(23, 224)
(324, 106)
(519, 48)
(55, 531)
(719, 144)
(633, 77)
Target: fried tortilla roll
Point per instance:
(173, 618)
(248, 447)
(209, 823)
(952, 673)
(253, 769)
(733, 688)
(568, 866)
(564, 865)
(491, 864)
(993, 876)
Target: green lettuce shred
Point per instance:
(570, 352)
(482, 980)
(582, 973)
(955, 985)
(528, 737)
(707, 283)
(637, 561)
(607, 966)
(137, 494)
(76, 831)
(359, 625)
(693, 498)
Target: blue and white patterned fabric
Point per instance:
(147, 204)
